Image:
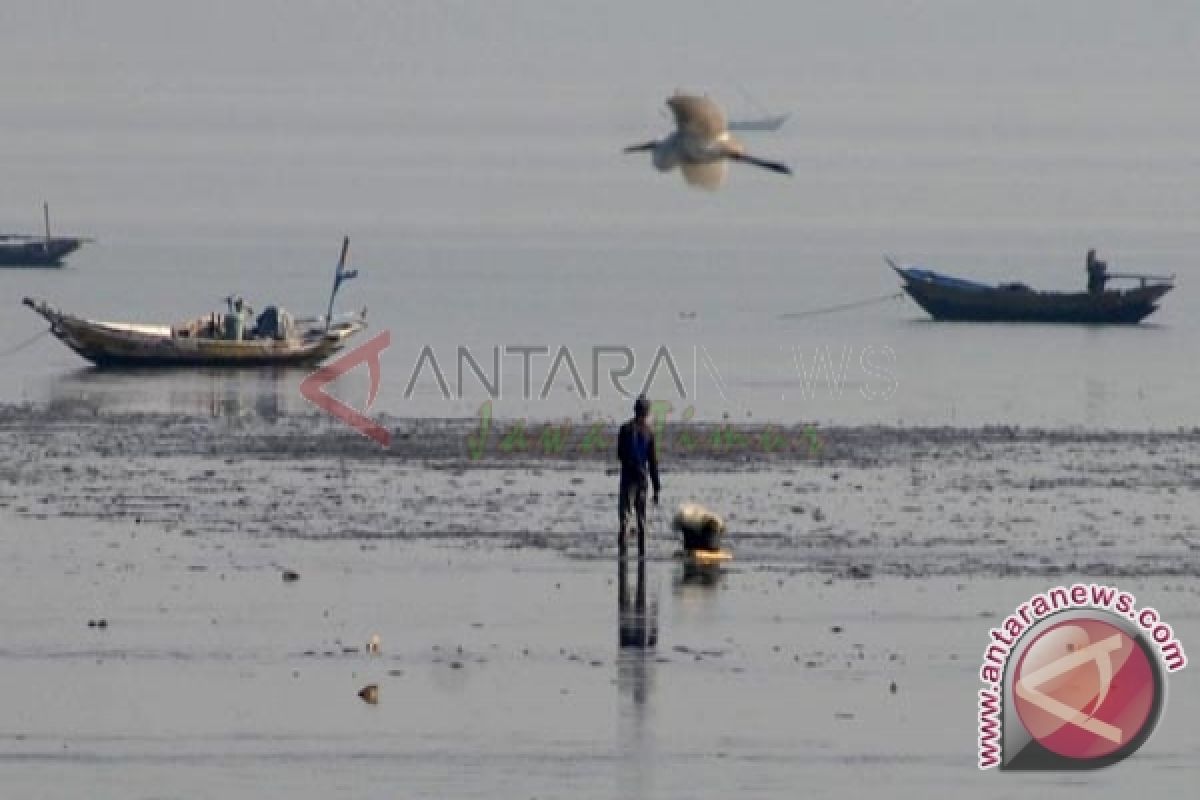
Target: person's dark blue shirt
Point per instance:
(638, 455)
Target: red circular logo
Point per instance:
(1084, 689)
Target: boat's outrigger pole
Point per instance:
(1137, 276)
(340, 276)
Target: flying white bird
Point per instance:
(700, 144)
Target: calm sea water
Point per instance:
(472, 153)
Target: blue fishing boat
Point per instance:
(946, 297)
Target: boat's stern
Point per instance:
(332, 339)
(347, 327)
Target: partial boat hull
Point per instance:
(772, 123)
(948, 298)
(31, 252)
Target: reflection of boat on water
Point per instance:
(949, 298)
(215, 340)
(262, 393)
(23, 250)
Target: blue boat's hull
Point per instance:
(36, 252)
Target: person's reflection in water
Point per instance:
(637, 619)
(637, 637)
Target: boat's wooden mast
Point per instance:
(337, 281)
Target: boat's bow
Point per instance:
(44, 309)
(911, 275)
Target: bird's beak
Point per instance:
(635, 148)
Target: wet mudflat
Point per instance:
(910, 502)
(499, 674)
(839, 651)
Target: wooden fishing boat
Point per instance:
(949, 298)
(203, 342)
(214, 340)
(22, 250)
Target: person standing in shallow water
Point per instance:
(638, 455)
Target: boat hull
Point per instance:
(37, 252)
(951, 299)
(106, 359)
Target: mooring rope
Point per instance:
(21, 346)
(842, 307)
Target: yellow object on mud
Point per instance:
(708, 557)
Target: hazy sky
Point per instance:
(128, 112)
(472, 151)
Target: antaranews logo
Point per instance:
(1074, 679)
(313, 387)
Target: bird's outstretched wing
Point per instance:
(697, 116)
